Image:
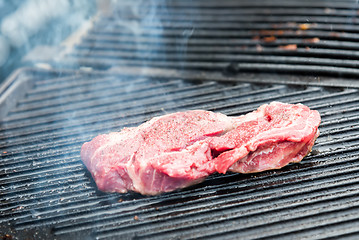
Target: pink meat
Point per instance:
(181, 149)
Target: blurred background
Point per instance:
(25, 24)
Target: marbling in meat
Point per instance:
(181, 149)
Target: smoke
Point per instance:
(135, 18)
(29, 18)
(146, 21)
(47, 22)
(4, 50)
(25, 24)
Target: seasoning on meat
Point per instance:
(181, 149)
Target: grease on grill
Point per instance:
(290, 47)
(6, 237)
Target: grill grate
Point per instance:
(234, 37)
(46, 190)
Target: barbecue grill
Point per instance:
(302, 37)
(110, 78)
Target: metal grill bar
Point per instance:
(268, 4)
(44, 184)
(178, 207)
(44, 187)
(251, 36)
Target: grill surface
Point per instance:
(303, 37)
(46, 191)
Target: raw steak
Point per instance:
(181, 149)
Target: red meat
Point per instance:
(181, 149)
